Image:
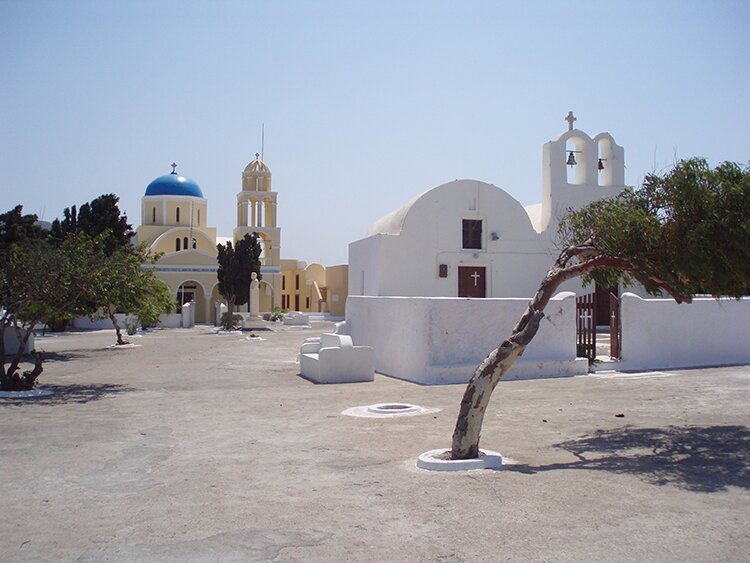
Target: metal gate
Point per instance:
(586, 326)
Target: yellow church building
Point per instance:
(174, 224)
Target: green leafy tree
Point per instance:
(99, 218)
(38, 280)
(122, 285)
(156, 300)
(16, 227)
(682, 233)
(235, 266)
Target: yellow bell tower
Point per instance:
(256, 213)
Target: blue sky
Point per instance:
(365, 104)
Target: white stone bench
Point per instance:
(334, 359)
(296, 319)
(251, 322)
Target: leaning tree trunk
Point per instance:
(9, 378)
(120, 340)
(489, 373)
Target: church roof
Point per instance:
(174, 184)
(494, 200)
(391, 224)
(257, 165)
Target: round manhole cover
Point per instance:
(393, 408)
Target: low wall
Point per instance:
(12, 342)
(659, 333)
(438, 340)
(172, 320)
(85, 323)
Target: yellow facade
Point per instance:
(188, 263)
(174, 219)
(311, 288)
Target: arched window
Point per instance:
(177, 244)
(177, 214)
(153, 215)
(185, 243)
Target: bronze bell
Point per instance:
(571, 159)
(600, 166)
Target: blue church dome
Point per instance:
(174, 184)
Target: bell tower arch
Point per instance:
(256, 213)
(578, 169)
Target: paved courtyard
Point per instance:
(195, 446)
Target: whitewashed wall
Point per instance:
(173, 320)
(85, 323)
(403, 251)
(438, 340)
(12, 343)
(659, 333)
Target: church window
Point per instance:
(283, 283)
(296, 284)
(185, 243)
(472, 233)
(307, 303)
(177, 244)
(153, 215)
(177, 215)
(199, 217)
(195, 244)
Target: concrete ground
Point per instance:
(203, 447)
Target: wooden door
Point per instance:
(472, 281)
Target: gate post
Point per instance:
(615, 330)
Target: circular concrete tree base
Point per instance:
(388, 410)
(438, 460)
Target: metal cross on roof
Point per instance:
(174, 165)
(257, 156)
(570, 119)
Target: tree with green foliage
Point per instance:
(39, 280)
(99, 218)
(16, 227)
(235, 266)
(683, 233)
(122, 285)
(156, 300)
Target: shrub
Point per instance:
(236, 320)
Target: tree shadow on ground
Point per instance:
(66, 394)
(696, 458)
(65, 356)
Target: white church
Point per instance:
(437, 284)
(468, 238)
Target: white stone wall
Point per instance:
(659, 333)
(404, 258)
(173, 320)
(437, 340)
(85, 323)
(12, 342)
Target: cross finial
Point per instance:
(257, 156)
(570, 119)
(174, 165)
